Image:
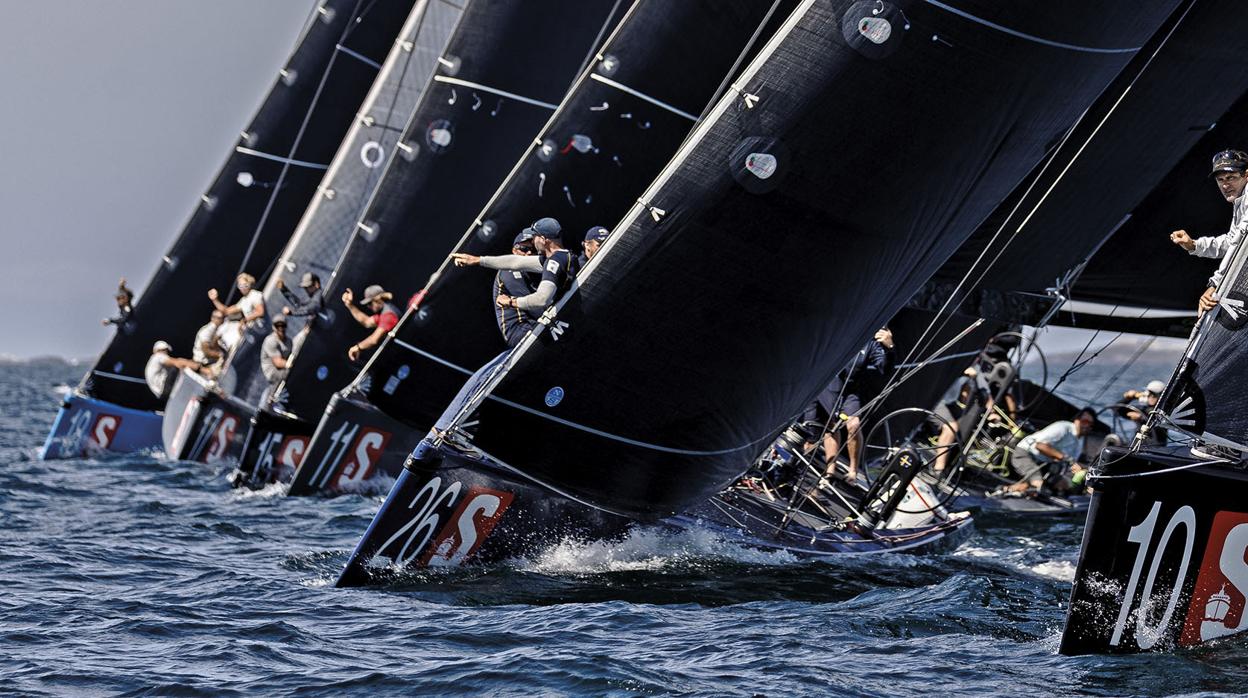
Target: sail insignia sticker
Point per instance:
(403, 372)
(117, 367)
(372, 155)
(761, 165)
(554, 396)
(439, 135)
(875, 29)
(322, 372)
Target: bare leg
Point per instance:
(943, 442)
(854, 442)
(830, 447)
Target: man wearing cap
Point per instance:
(161, 369)
(275, 353)
(553, 262)
(594, 237)
(1229, 167)
(385, 316)
(513, 322)
(311, 285)
(1136, 404)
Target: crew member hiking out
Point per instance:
(311, 285)
(250, 307)
(385, 316)
(594, 237)
(1229, 167)
(124, 298)
(553, 262)
(162, 369)
(513, 322)
(208, 350)
(275, 356)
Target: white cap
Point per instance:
(1156, 387)
(161, 345)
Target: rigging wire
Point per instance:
(294, 148)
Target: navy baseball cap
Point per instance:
(597, 234)
(524, 237)
(546, 227)
(1230, 161)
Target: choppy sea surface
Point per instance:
(139, 576)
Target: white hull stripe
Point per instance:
(491, 90)
(1028, 37)
(625, 88)
(278, 158)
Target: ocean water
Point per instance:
(138, 576)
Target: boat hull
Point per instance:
(354, 445)
(1162, 564)
(447, 508)
(86, 426)
(201, 425)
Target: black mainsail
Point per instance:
(612, 134)
(852, 157)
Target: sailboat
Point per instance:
(843, 166)
(615, 130)
(1161, 562)
(239, 223)
(207, 413)
(493, 86)
(1024, 265)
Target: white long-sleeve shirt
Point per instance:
(1221, 246)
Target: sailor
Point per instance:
(853, 387)
(385, 316)
(966, 401)
(250, 307)
(553, 262)
(594, 238)
(1052, 452)
(161, 369)
(1229, 167)
(124, 298)
(311, 285)
(275, 353)
(208, 349)
(512, 322)
(1136, 405)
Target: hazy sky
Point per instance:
(114, 118)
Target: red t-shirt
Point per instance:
(386, 319)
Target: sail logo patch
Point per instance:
(875, 29)
(1217, 605)
(439, 135)
(554, 396)
(103, 431)
(472, 522)
(761, 165)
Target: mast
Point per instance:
(252, 205)
(507, 65)
(630, 109)
(786, 229)
(329, 221)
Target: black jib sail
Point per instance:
(253, 205)
(329, 222)
(1024, 259)
(787, 228)
(612, 134)
(504, 70)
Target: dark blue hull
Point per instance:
(86, 426)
